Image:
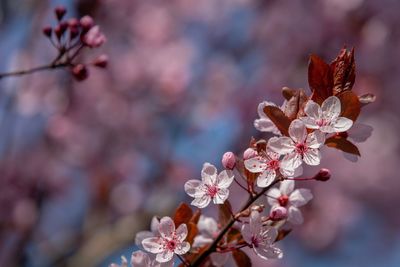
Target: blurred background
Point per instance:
(85, 165)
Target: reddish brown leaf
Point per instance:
(294, 108)
(224, 213)
(241, 258)
(350, 105)
(341, 143)
(234, 235)
(319, 79)
(196, 216)
(280, 120)
(192, 232)
(366, 99)
(288, 93)
(343, 69)
(282, 234)
(182, 214)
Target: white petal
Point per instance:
(298, 171)
(166, 227)
(191, 187)
(312, 157)
(154, 224)
(315, 139)
(300, 197)
(264, 125)
(221, 196)
(266, 178)
(164, 256)
(201, 202)
(261, 106)
(298, 131)
(201, 240)
(209, 173)
(273, 195)
(254, 165)
(291, 161)
(331, 108)
(225, 179)
(268, 252)
(269, 234)
(219, 259)
(255, 222)
(207, 225)
(181, 232)
(360, 132)
(342, 124)
(309, 122)
(282, 145)
(327, 129)
(313, 110)
(295, 216)
(246, 233)
(140, 259)
(153, 245)
(286, 187)
(142, 235)
(182, 248)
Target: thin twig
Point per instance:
(32, 70)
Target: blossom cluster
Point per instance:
(270, 169)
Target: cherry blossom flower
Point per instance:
(142, 259)
(140, 236)
(290, 199)
(212, 186)
(171, 241)
(94, 37)
(261, 238)
(208, 231)
(264, 124)
(326, 117)
(299, 147)
(269, 165)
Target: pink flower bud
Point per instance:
(94, 38)
(58, 31)
(323, 175)
(47, 31)
(80, 72)
(101, 61)
(278, 213)
(60, 12)
(249, 153)
(86, 23)
(229, 160)
(73, 22)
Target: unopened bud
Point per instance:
(73, 32)
(278, 213)
(47, 31)
(60, 12)
(58, 31)
(229, 160)
(101, 61)
(323, 175)
(73, 22)
(80, 72)
(249, 153)
(86, 23)
(261, 145)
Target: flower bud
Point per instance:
(249, 153)
(261, 145)
(229, 160)
(94, 37)
(101, 61)
(323, 175)
(278, 213)
(60, 12)
(73, 22)
(86, 23)
(58, 31)
(47, 31)
(80, 72)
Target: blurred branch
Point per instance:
(36, 69)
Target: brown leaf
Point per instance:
(196, 216)
(351, 106)
(241, 258)
(343, 68)
(288, 93)
(234, 235)
(366, 99)
(224, 213)
(319, 79)
(341, 143)
(282, 233)
(192, 232)
(182, 214)
(277, 116)
(294, 108)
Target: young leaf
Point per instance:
(192, 232)
(343, 68)
(341, 143)
(288, 93)
(234, 235)
(241, 258)
(224, 213)
(319, 79)
(182, 214)
(280, 120)
(196, 216)
(295, 106)
(351, 107)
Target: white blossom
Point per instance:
(326, 117)
(140, 236)
(264, 124)
(261, 238)
(142, 259)
(211, 187)
(169, 242)
(299, 147)
(290, 199)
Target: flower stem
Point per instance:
(32, 70)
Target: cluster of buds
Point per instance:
(269, 170)
(70, 37)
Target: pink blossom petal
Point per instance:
(295, 216)
(142, 235)
(154, 224)
(265, 125)
(268, 252)
(291, 161)
(209, 173)
(201, 202)
(207, 225)
(255, 222)
(246, 233)
(255, 165)
(140, 259)
(286, 187)
(191, 187)
(225, 179)
(164, 256)
(201, 240)
(300, 197)
(316, 139)
(342, 124)
(331, 108)
(182, 248)
(327, 129)
(181, 232)
(266, 178)
(313, 110)
(282, 145)
(273, 195)
(221, 196)
(309, 122)
(312, 157)
(298, 131)
(166, 227)
(153, 245)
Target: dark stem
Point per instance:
(199, 260)
(32, 70)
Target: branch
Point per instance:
(32, 70)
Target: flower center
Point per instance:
(212, 190)
(273, 164)
(283, 200)
(255, 242)
(171, 245)
(322, 122)
(301, 148)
